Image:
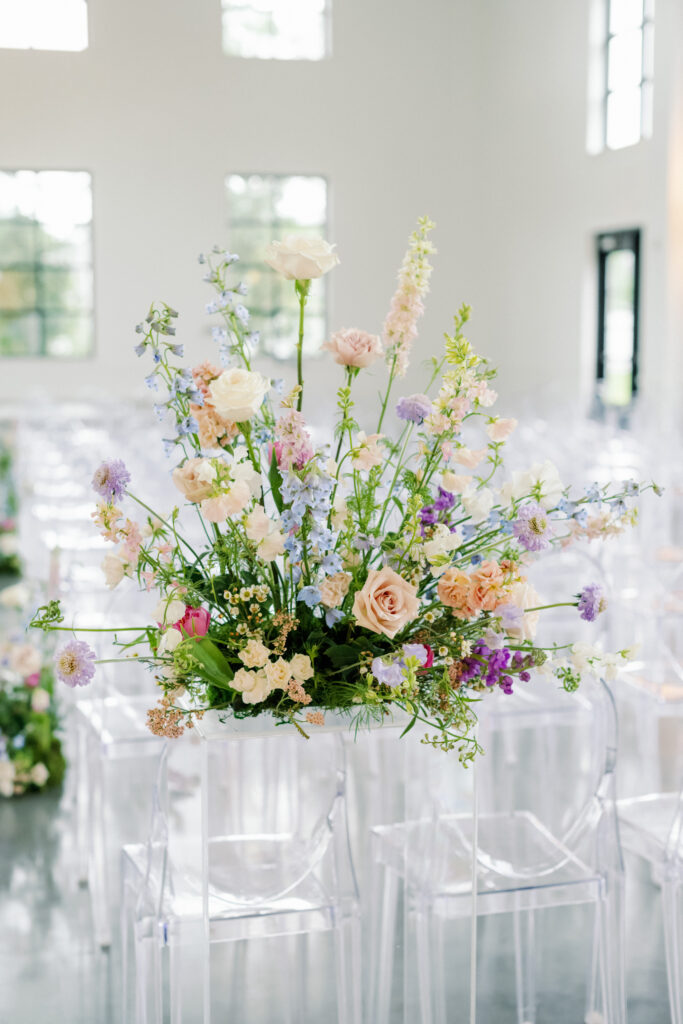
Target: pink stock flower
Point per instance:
(195, 622)
(400, 326)
(293, 445)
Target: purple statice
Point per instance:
(75, 663)
(532, 528)
(110, 480)
(414, 408)
(592, 601)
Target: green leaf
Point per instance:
(409, 726)
(274, 478)
(343, 654)
(216, 668)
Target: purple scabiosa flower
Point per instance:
(592, 601)
(110, 480)
(532, 528)
(414, 408)
(75, 663)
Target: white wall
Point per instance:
(473, 111)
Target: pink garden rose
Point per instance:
(195, 622)
(351, 347)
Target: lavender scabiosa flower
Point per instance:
(75, 663)
(414, 408)
(110, 480)
(533, 528)
(592, 601)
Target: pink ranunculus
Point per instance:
(195, 622)
(32, 680)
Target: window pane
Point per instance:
(275, 29)
(263, 208)
(46, 262)
(43, 24)
(625, 60)
(623, 118)
(620, 270)
(625, 14)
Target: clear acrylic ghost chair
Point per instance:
(530, 856)
(243, 905)
(652, 827)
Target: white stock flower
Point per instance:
(478, 504)
(301, 259)
(237, 394)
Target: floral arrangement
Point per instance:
(384, 569)
(9, 543)
(30, 750)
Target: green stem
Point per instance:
(386, 397)
(301, 288)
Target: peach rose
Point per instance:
(456, 592)
(386, 602)
(351, 347)
(187, 479)
(334, 589)
(218, 509)
(488, 583)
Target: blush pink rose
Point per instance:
(386, 603)
(351, 347)
(195, 622)
(188, 481)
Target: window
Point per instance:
(618, 301)
(263, 208)
(46, 277)
(629, 67)
(43, 24)
(277, 29)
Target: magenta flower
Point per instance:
(195, 622)
(75, 663)
(32, 680)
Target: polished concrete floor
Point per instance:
(52, 970)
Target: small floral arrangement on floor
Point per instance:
(30, 750)
(386, 569)
(9, 541)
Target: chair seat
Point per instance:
(269, 864)
(645, 824)
(519, 863)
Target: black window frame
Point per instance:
(607, 242)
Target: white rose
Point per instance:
(112, 567)
(524, 596)
(170, 640)
(167, 612)
(253, 686)
(39, 774)
(16, 596)
(237, 394)
(7, 778)
(478, 504)
(40, 700)
(9, 544)
(301, 259)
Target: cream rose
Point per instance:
(255, 654)
(301, 259)
(351, 347)
(334, 589)
(278, 674)
(301, 668)
(25, 660)
(237, 394)
(386, 602)
(187, 479)
(253, 686)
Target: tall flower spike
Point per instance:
(400, 326)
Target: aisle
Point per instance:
(50, 967)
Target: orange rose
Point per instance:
(455, 590)
(488, 584)
(386, 602)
